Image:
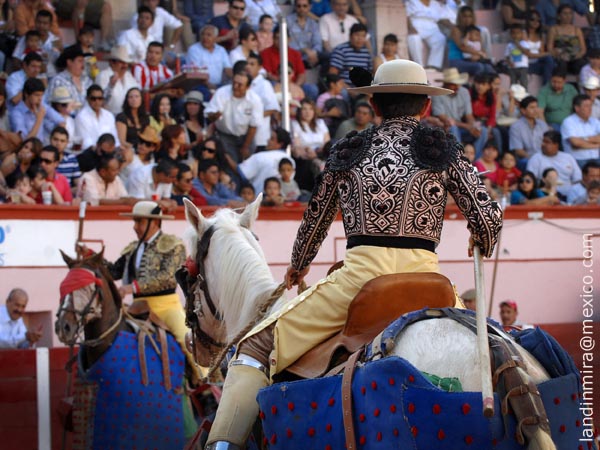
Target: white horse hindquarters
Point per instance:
(321, 311)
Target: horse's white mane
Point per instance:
(236, 270)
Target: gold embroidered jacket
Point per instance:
(156, 274)
(385, 186)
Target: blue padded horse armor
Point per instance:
(395, 406)
(147, 417)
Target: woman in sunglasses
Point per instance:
(528, 192)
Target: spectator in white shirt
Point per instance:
(116, 80)
(162, 19)
(13, 333)
(423, 18)
(256, 8)
(93, 120)
(154, 181)
(335, 26)
(237, 112)
(137, 38)
(264, 89)
(103, 186)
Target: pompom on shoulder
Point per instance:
(349, 150)
(434, 149)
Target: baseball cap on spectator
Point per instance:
(519, 92)
(510, 303)
(194, 97)
(591, 83)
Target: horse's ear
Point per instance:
(250, 213)
(67, 259)
(194, 216)
(98, 258)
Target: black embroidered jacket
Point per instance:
(392, 181)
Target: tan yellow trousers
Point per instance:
(321, 311)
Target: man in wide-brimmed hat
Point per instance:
(116, 80)
(376, 177)
(456, 113)
(147, 268)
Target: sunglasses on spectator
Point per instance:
(46, 161)
(187, 180)
(239, 8)
(94, 98)
(209, 150)
(146, 143)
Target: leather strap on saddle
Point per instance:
(347, 400)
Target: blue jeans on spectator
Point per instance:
(542, 66)
(471, 67)
(311, 91)
(464, 136)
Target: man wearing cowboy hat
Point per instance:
(147, 268)
(456, 113)
(375, 178)
(116, 79)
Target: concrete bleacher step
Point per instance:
(490, 19)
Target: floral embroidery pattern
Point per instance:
(386, 192)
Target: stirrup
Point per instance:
(222, 445)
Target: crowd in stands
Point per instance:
(102, 124)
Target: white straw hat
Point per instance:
(146, 209)
(401, 76)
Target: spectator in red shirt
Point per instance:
(508, 173)
(49, 160)
(182, 187)
(271, 62)
(483, 103)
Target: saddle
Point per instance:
(140, 310)
(377, 304)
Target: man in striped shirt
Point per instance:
(68, 165)
(353, 53)
(151, 71)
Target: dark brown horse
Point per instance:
(129, 387)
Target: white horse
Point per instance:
(238, 278)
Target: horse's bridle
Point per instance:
(194, 306)
(80, 315)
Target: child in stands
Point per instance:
(508, 172)
(518, 62)
(289, 187)
(22, 190)
(272, 192)
(247, 192)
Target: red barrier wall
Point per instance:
(18, 398)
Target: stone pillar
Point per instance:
(387, 16)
